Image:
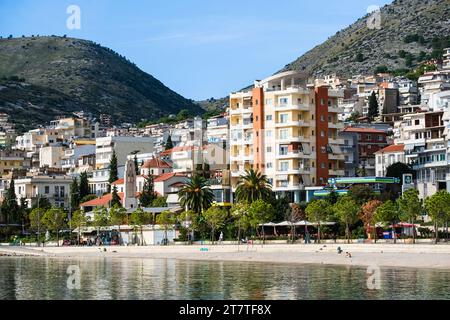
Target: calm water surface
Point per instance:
(109, 278)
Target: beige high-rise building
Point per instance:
(288, 131)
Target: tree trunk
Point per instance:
(347, 232)
(264, 235)
(436, 233)
(57, 238)
(318, 233)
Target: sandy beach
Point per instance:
(382, 255)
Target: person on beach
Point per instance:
(221, 237)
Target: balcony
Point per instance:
(334, 109)
(337, 125)
(334, 172)
(296, 154)
(332, 156)
(290, 107)
(299, 123)
(293, 139)
(288, 187)
(336, 141)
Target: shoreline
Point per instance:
(363, 255)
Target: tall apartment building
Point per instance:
(287, 131)
(425, 149)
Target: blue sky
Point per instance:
(199, 48)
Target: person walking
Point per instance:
(221, 237)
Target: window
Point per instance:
(322, 133)
(283, 118)
(380, 138)
(284, 101)
(330, 119)
(284, 166)
(269, 133)
(322, 102)
(256, 102)
(283, 133)
(283, 150)
(368, 137)
(47, 190)
(442, 157)
(416, 122)
(322, 118)
(269, 102)
(323, 165)
(269, 117)
(346, 142)
(269, 165)
(269, 149)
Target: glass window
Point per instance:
(283, 150)
(47, 190)
(284, 101)
(284, 166)
(269, 133)
(269, 117)
(269, 165)
(283, 133)
(283, 118)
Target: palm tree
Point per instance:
(253, 185)
(196, 195)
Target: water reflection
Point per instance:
(109, 278)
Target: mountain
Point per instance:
(43, 77)
(411, 31)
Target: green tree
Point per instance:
(74, 194)
(252, 186)
(159, 202)
(318, 211)
(196, 194)
(118, 215)
(346, 209)
(113, 171)
(438, 208)
(166, 219)
(54, 220)
(148, 194)
(42, 202)
(359, 57)
(36, 224)
(79, 221)
(410, 207)
(261, 212)
(84, 185)
(9, 207)
(191, 221)
(115, 199)
(140, 218)
(388, 213)
(361, 194)
(373, 106)
(101, 218)
(215, 218)
(169, 143)
(242, 220)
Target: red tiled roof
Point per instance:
(167, 176)
(102, 201)
(120, 181)
(156, 163)
(363, 130)
(392, 148)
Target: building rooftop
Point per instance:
(392, 148)
(363, 130)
